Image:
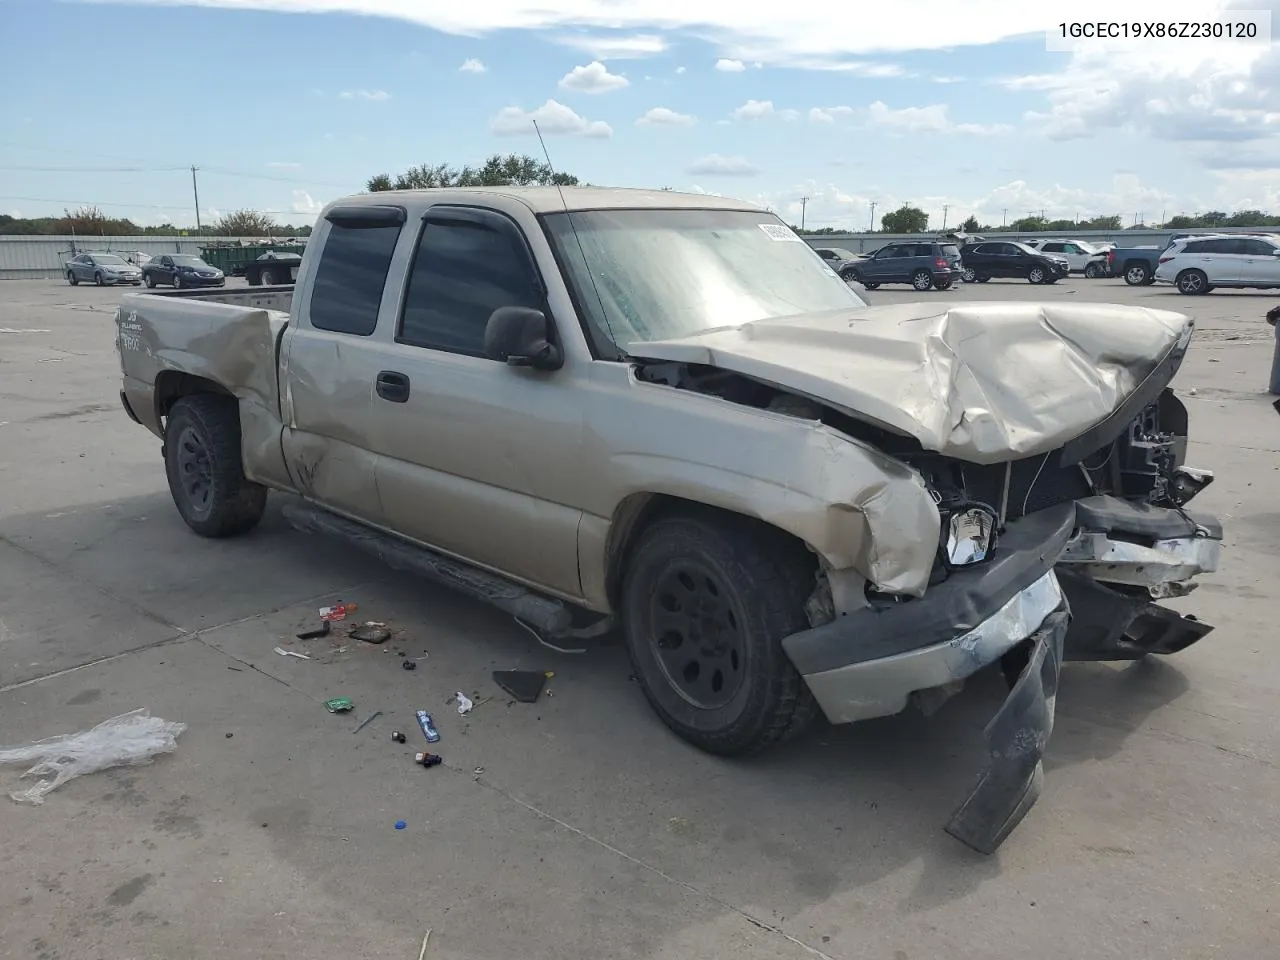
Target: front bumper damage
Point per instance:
(1123, 558)
(1072, 582)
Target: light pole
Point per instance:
(872, 228)
(804, 203)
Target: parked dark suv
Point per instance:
(1004, 258)
(923, 264)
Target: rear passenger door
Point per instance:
(1259, 263)
(330, 364)
(1222, 259)
(475, 457)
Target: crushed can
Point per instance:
(428, 759)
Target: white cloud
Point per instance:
(931, 119)
(719, 166)
(662, 117)
(364, 95)
(634, 47)
(593, 78)
(754, 110)
(830, 114)
(304, 204)
(553, 119)
(750, 32)
(472, 65)
(730, 66)
(681, 69)
(947, 79)
(284, 165)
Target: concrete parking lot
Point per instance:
(578, 827)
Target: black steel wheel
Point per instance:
(204, 469)
(706, 603)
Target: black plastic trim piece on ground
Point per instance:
(1016, 739)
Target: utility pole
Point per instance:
(196, 191)
(872, 228)
(804, 203)
(945, 208)
(1004, 218)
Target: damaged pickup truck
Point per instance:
(604, 407)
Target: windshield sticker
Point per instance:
(776, 231)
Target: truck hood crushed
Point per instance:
(983, 382)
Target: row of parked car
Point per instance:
(172, 270)
(939, 263)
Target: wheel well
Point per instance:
(172, 385)
(1136, 262)
(641, 510)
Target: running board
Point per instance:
(547, 615)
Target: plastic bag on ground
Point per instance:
(127, 740)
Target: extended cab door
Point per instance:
(330, 365)
(477, 458)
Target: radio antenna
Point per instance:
(555, 179)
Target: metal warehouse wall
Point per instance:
(38, 258)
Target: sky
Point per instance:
(959, 107)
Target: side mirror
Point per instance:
(518, 336)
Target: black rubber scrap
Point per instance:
(370, 634)
(524, 685)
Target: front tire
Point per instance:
(1036, 275)
(177, 281)
(205, 472)
(98, 279)
(150, 281)
(984, 279)
(969, 275)
(268, 278)
(73, 279)
(922, 280)
(1192, 282)
(706, 602)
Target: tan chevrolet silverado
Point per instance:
(604, 407)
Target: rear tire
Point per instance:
(206, 474)
(922, 280)
(1137, 274)
(98, 279)
(984, 279)
(706, 602)
(969, 275)
(1192, 282)
(942, 284)
(177, 281)
(870, 286)
(73, 279)
(268, 278)
(150, 281)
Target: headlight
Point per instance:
(969, 536)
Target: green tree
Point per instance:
(969, 224)
(245, 223)
(1100, 223)
(1029, 225)
(511, 170)
(906, 219)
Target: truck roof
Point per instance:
(553, 200)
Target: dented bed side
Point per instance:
(230, 340)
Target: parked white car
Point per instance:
(1081, 257)
(1196, 265)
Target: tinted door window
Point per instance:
(350, 278)
(1257, 248)
(888, 253)
(1054, 248)
(1195, 246)
(1225, 245)
(461, 273)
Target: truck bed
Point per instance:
(229, 339)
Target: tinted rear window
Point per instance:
(950, 250)
(349, 280)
